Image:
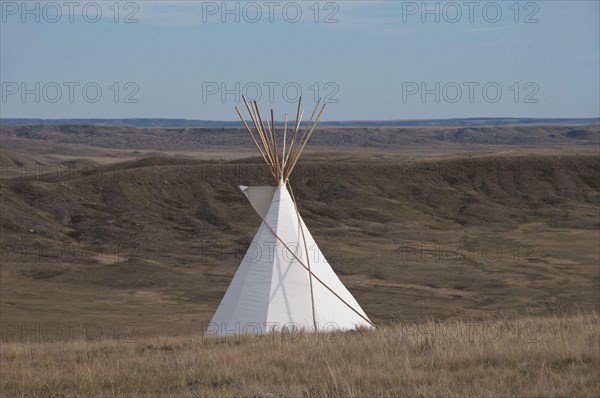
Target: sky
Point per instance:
(368, 60)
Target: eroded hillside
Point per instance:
(157, 240)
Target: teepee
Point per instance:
(284, 281)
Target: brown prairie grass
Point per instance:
(527, 356)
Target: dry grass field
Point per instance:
(474, 250)
(553, 356)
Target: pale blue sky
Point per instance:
(371, 60)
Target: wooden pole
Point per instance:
(264, 130)
(298, 118)
(251, 135)
(310, 274)
(275, 147)
(299, 152)
(260, 134)
(284, 142)
(269, 133)
(268, 144)
(294, 140)
(309, 122)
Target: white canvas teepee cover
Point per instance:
(272, 289)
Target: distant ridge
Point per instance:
(165, 123)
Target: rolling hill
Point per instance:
(156, 240)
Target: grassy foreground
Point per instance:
(528, 356)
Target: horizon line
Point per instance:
(325, 121)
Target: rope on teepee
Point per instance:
(312, 273)
(312, 297)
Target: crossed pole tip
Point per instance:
(265, 138)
